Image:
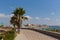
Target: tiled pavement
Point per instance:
(32, 35)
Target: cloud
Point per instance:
(2, 15)
(47, 19)
(37, 18)
(11, 15)
(56, 19)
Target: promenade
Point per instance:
(32, 35)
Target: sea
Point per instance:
(50, 27)
(54, 27)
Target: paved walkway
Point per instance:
(32, 35)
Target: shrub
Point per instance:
(10, 35)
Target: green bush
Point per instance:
(10, 35)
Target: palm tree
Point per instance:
(25, 18)
(19, 12)
(13, 21)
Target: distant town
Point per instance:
(36, 26)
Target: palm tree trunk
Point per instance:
(20, 23)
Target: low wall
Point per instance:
(55, 35)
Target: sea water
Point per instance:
(50, 27)
(54, 27)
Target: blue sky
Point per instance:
(39, 11)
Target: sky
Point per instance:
(38, 11)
